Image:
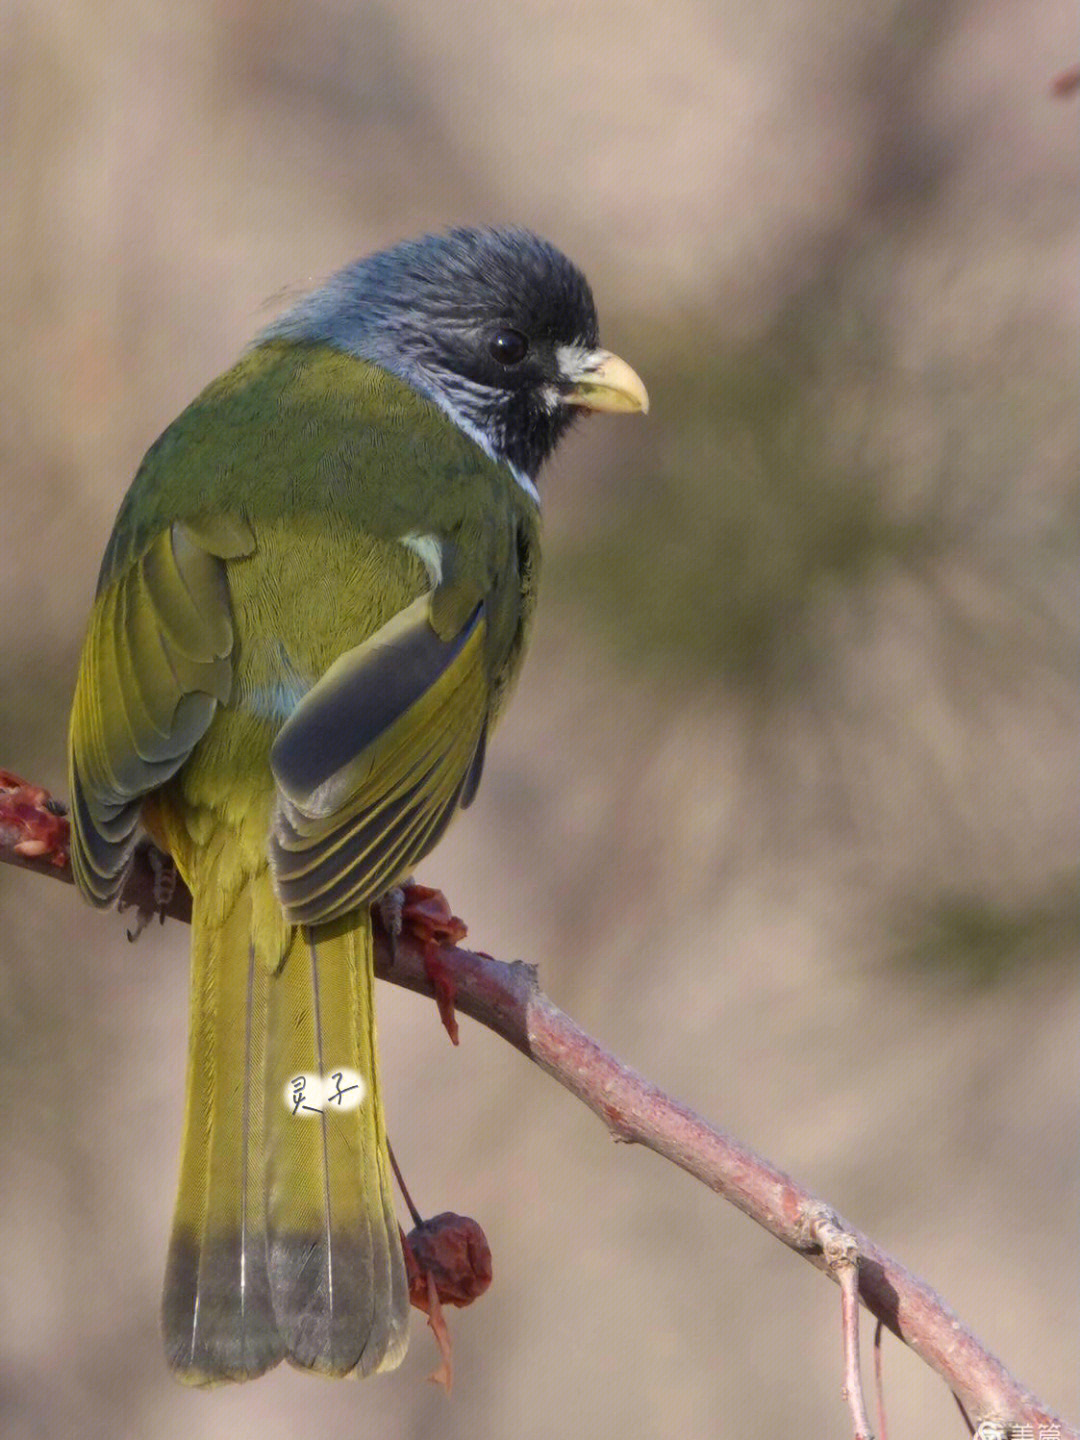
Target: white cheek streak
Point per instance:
(429, 550)
(478, 438)
(526, 484)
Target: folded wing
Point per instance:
(156, 665)
(376, 758)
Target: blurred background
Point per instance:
(786, 806)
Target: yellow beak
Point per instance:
(601, 381)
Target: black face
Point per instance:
(488, 311)
(474, 319)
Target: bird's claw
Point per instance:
(424, 914)
(391, 908)
(165, 875)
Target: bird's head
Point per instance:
(495, 326)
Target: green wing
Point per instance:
(303, 431)
(155, 666)
(376, 758)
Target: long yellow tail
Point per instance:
(285, 1242)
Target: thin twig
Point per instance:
(841, 1252)
(879, 1384)
(507, 999)
(848, 1276)
(417, 1218)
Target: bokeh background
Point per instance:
(786, 806)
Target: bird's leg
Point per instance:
(390, 908)
(165, 876)
(163, 868)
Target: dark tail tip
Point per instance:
(217, 1315)
(339, 1313)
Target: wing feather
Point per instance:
(156, 664)
(372, 764)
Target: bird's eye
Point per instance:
(508, 347)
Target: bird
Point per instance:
(310, 612)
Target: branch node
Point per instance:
(823, 1229)
(529, 972)
(840, 1248)
(620, 1136)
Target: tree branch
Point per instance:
(507, 999)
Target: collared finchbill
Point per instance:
(600, 381)
(338, 740)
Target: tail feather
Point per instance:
(218, 1316)
(285, 1241)
(336, 1270)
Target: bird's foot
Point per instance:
(424, 915)
(428, 917)
(390, 909)
(163, 868)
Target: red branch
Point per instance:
(507, 999)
